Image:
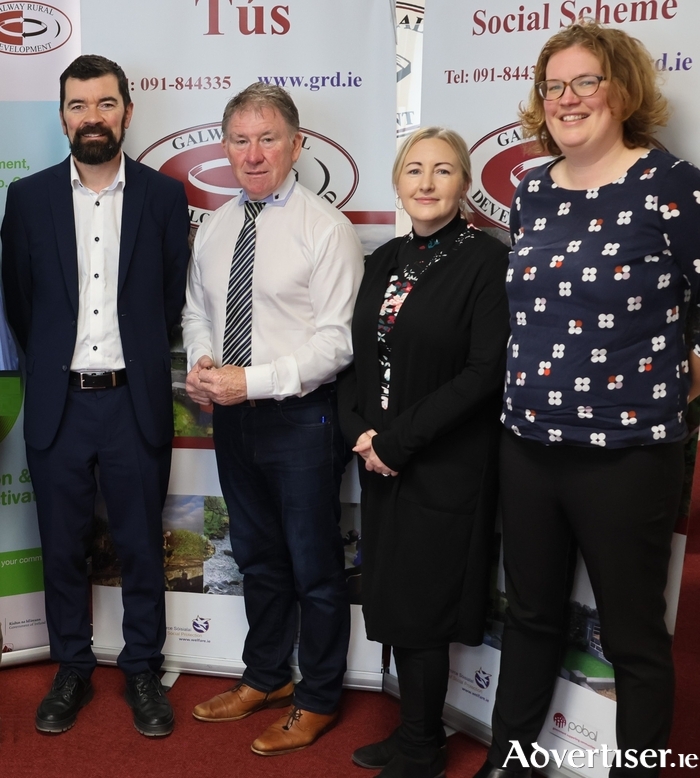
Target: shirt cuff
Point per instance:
(259, 382)
(195, 355)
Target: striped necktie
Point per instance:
(239, 301)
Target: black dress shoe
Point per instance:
(153, 714)
(432, 765)
(59, 709)
(378, 755)
(487, 770)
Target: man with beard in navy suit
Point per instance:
(94, 259)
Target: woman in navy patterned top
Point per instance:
(604, 272)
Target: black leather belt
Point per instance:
(108, 380)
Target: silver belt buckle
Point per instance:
(95, 376)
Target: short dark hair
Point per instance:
(90, 66)
(259, 96)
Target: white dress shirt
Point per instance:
(308, 267)
(98, 219)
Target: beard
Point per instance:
(96, 151)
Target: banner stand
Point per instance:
(175, 664)
(364, 657)
(24, 656)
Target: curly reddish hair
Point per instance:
(628, 69)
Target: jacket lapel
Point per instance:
(132, 208)
(61, 199)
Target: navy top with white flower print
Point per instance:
(599, 285)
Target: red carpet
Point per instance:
(104, 744)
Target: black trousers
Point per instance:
(99, 428)
(422, 675)
(618, 506)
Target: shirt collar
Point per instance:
(120, 178)
(278, 197)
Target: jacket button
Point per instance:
(64, 368)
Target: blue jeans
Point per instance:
(280, 465)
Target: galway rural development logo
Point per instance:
(195, 157)
(500, 160)
(32, 28)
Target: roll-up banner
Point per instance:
(409, 78)
(185, 59)
(478, 66)
(37, 42)
(409, 65)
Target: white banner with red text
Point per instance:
(184, 60)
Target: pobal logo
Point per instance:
(500, 160)
(195, 157)
(32, 28)
(581, 729)
(200, 624)
(573, 728)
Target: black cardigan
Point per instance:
(427, 535)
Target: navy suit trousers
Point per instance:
(99, 430)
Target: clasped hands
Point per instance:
(207, 384)
(373, 463)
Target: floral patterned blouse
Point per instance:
(416, 255)
(600, 284)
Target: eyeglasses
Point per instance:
(581, 86)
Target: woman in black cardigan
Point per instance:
(421, 407)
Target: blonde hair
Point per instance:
(628, 69)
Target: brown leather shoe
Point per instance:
(294, 731)
(241, 701)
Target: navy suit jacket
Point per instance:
(40, 276)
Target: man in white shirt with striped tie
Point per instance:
(271, 289)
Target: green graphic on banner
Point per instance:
(10, 400)
(21, 572)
